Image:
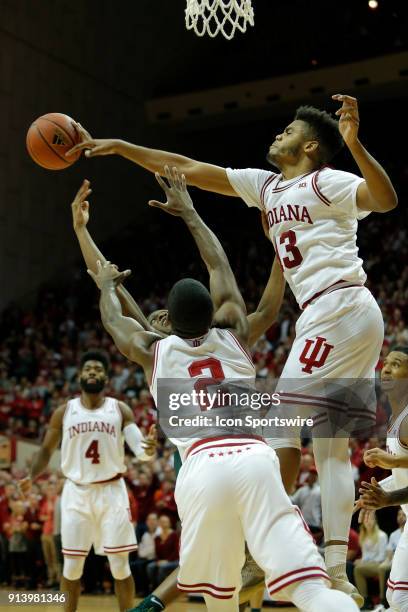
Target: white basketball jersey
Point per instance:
(394, 447)
(92, 448)
(218, 354)
(312, 224)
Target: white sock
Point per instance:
(335, 556)
(315, 596)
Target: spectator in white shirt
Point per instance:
(373, 543)
(308, 499)
(146, 553)
(385, 566)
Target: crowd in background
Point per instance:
(39, 354)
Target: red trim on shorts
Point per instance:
(116, 477)
(319, 293)
(243, 349)
(299, 578)
(121, 547)
(75, 549)
(219, 438)
(206, 592)
(206, 584)
(223, 445)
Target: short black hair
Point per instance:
(399, 349)
(96, 356)
(190, 308)
(324, 128)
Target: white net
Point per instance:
(214, 16)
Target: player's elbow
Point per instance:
(388, 204)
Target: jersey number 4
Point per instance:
(92, 452)
(294, 258)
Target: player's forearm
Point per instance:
(378, 182)
(211, 250)
(154, 159)
(398, 497)
(89, 250)
(400, 461)
(269, 305)
(116, 324)
(40, 462)
(131, 308)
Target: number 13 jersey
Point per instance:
(92, 448)
(312, 223)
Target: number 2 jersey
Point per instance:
(92, 448)
(312, 224)
(216, 355)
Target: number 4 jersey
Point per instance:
(312, 224)
(92, 448)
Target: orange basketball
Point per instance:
(49, 138)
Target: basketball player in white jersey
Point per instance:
(95, 511)
(229, 490)
(259, 322)
(313, 213)
(393, 491)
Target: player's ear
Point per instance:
(311, 147)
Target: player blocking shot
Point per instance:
(313, 213)
(95, 510)
(229, 490)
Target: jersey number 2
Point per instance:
(288, 239)
(216, 371)
(92, 452)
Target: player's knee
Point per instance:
(73, 567)
(400, 601)
(119, 565)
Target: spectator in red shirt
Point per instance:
(165, 502)
(167, 553)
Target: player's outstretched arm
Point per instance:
(269, 305)
(50, 443)
(129, 336)
(200, 174)
(91, 253)
(377, 193)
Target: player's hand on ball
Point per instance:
(349, 118)
(80, 206)
(375, 457)
(178, 199)
(24, 486)
(372, 496)
(107, 273)
(150, 442)
(92, 146)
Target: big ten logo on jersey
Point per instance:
(210, 376)
(314, 354)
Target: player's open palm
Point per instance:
(80, 206)
(178, 199)
(349, 118)
(150, 441)
(106, 273)
(92, 146)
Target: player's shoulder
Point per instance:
(330, 174)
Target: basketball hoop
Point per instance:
(214, 16)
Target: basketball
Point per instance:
(49, 138)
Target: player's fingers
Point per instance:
(344, 98)
(374, 481)
(94, 150)
(183, 182)
(161, 182)
(92, 274)
(152, 430)
(176, 177)
(86, 144)
(168, 175)
(83, 132)
(157, 204)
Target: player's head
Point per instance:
(394, 374)
(313, 134)
(93, 371)
(159, 319)
(190, 308)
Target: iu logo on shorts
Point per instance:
(314, 354)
